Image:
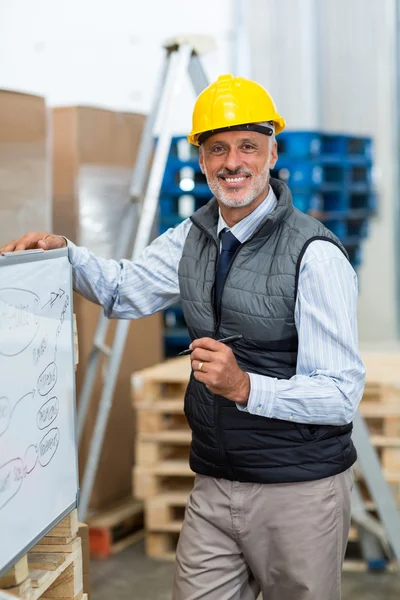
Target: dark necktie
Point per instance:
(229, 246)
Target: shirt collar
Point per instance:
(247, 226)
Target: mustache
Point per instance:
(235, 173)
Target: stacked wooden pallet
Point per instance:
(380, 408)
(52, 569)
(162, 476)
(113, 529)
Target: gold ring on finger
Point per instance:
(199, 368)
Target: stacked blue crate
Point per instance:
(330, 177)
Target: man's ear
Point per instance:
(201, 160)
(273, 155)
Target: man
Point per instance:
(271, 414)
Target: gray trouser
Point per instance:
(285, 540)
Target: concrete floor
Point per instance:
(130, 575)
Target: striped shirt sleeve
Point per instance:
(330, 374)
(127, 289)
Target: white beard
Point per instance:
(238, 198)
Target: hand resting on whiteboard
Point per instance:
(34, 240)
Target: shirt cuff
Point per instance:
(262, 396)
(73, 251)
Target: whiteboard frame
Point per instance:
(15, 258)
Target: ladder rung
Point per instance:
(103, 348)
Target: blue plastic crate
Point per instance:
(302, 144)
(335, 201)
(177, 338)
(358, 228)
(183, 175)
(307, 201)
(359, 146)
(180, 148)
(173, 318)
(362, 200)
(301, 174)
(182, 205)
(355, 254)
(338, 227)
(200, 191)
(346, 145)
(359, 175)
(168, 221)
(356, 204)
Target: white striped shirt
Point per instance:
(330, 374)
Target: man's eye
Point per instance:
(217, 149)
(248, 147)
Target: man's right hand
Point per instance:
(32, 241)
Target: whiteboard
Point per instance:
(38, 452)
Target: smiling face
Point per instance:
(236, 165)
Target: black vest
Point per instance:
(258, 300)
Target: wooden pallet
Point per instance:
(116, 528)
(161, 416)
(155, 448)
(165, 381)
(165, 476)
(382, 367)
(164, 518)
(52, 569)
(165, 512)
(380, 408)
(162, 476)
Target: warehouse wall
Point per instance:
(346, 85)
(328, 64)
(105, 53)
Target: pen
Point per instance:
(227, 340)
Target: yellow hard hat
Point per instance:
(232, 101)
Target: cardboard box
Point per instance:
(94, 151)
(25, 183)
(83, 532)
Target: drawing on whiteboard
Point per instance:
(53, 297)
(19, 315)
(38, 450)
(47, 413)
(59, 326)
(11, 476)
(47, 379)
(39, 351)
(13, 472)
(48, 446)
(31, 458)
(6, 411)
(5, 414)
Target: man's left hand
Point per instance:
(214, 364)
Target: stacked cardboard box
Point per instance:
(94, 151)
(25, 191)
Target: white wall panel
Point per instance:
(105, 53)
(283, 43)
(328, 64)
(353, 74)
(359, 96)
